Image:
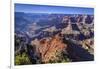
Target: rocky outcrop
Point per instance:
(49, 48)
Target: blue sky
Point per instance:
(30, 8)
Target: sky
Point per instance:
(31, 8)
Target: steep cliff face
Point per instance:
(50, 48)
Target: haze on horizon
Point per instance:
(31, 8)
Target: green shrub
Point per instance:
(22, 59)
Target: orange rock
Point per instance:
(50, 48)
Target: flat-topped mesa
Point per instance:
(65, 19)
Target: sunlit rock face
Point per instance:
(49, 48)
(88, 44)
